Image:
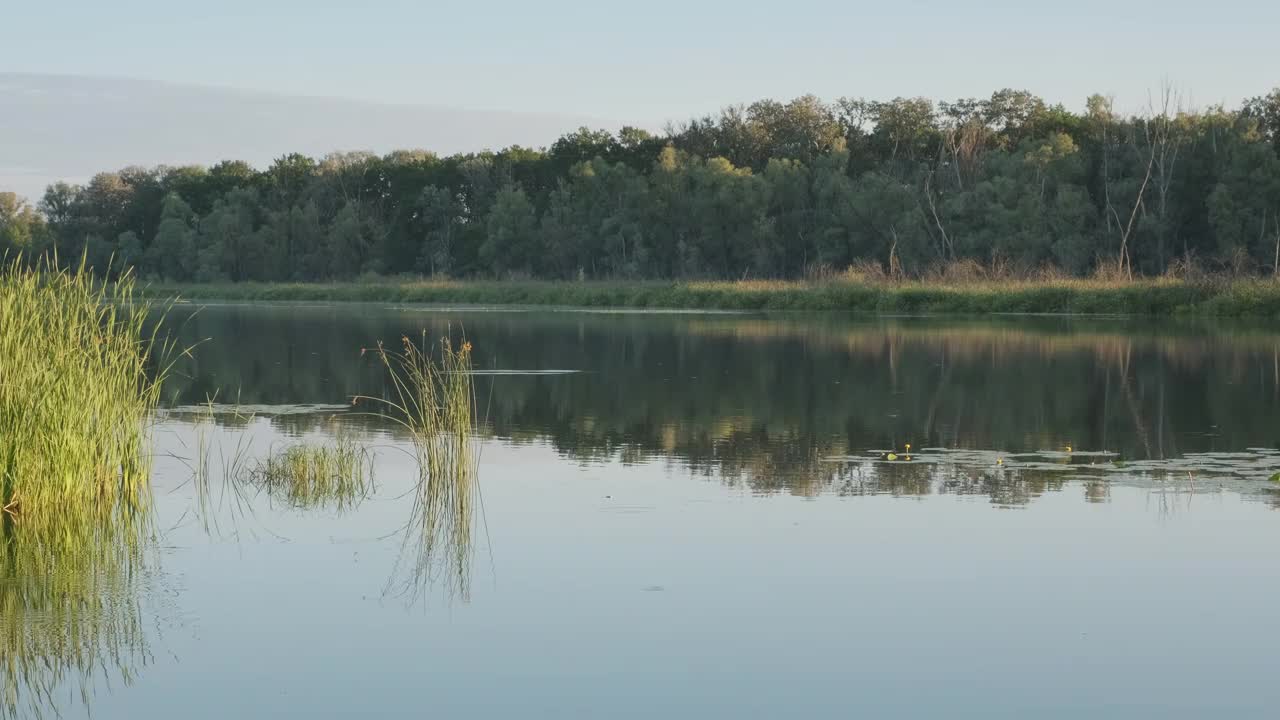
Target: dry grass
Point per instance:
(963, 287)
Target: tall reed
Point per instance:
(76, 391)
(78, 384)
(434, 400)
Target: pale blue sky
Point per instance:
(646, 62)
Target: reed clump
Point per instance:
(431, 395)
(338, 475)
(78, 384)
(77, 389)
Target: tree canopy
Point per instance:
(770, 189)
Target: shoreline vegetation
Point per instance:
(903, 189)
(1208, 297)
(80, 375)
(77, 539)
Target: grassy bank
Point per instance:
(1228, 298)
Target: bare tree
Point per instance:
(1123, 261)
(1101, 109)
(947, 247)
(1275, 267)
(1165, 140)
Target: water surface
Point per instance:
(689, 515)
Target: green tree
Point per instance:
(173, 252)
(128, 250)
(512, 239)
(22, 228)
(441, 216)
(1244, 207)
(346, 245)
(766, 189)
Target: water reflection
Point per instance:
(437, 545)
(71, 599)
(902, 377)
(761, 400)
(785, 407)
(231, 450)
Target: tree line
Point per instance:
(766, 190)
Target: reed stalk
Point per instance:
(432, 397)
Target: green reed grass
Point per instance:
(78, 384)
(76, 393)
(432, 396)
(339, 475)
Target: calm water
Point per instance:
(687, 515)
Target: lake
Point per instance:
(706, 515)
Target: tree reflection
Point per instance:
(760, 401)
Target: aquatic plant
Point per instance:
(230, 462)
(338, 475)
(79, 378)
(433, 399)
(77, 387)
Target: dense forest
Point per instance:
(768, 190)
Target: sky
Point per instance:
(661, 59)
(87, 85)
